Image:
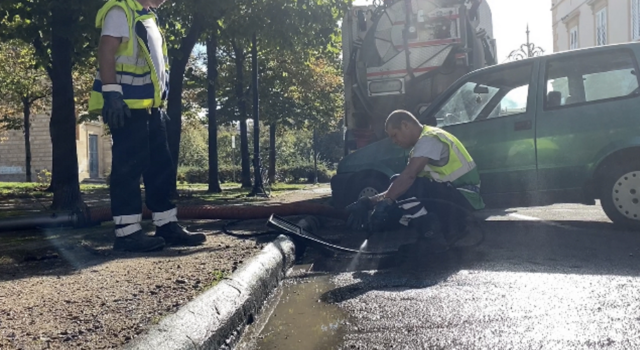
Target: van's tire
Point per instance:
(620, 195)
(367, 186)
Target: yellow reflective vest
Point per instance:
(460, 170)
(135, 70)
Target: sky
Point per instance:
(510, 18)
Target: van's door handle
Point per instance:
(523, 125)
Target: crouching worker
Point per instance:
(440, 181)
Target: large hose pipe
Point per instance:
(43, 220)
(97, 215)
(234, 212)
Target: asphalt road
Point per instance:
(558, 277)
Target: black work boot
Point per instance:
(138, 242)
(175, 234)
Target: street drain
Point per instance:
(299, 320)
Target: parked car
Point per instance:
(560, 128)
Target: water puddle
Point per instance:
(297, 319)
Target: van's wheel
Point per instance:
(367, 187)
(620, 195)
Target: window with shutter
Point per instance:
(573, 38)
(601, 27)
(635, 20)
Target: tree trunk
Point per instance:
(26, 110)
(65, 182)
(179, 61)
(315, 157)
(272, 153)
(242, 109)
(212, 76)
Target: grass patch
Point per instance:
(22, 189)
(93, 188)
(29, 189)
(217, 276)
(233, 191)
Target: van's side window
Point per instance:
(597, 77)
(514, 102)
(497, 93)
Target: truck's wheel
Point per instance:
(367, 187)
(620, 195)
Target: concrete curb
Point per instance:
(215, 319)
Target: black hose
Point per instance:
(226, 231)
(317, 241)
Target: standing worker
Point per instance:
(130, 91)
(439, 168)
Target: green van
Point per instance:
(560, 128)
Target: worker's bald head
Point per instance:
(403, 128)
(395, 119)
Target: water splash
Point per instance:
(364, 245)
(354, 262)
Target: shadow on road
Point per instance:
(60, 252)
(551, 247)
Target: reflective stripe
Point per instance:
(131, 78)
(469, 189)
(466, 167)
(434, 175)
(131, 92)
(465, 164)
(420, 213)
(112, 88)
(405, 219)
(165, 217)
(128, 230)
(410, 205)
(127, 219)
(132, 60)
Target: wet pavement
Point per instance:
(558, 277)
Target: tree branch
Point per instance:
(41, 51)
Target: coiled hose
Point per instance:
(316, 241)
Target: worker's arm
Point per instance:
(107, 58)
(405, 180)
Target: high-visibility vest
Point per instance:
(135, 70)
(460, 170)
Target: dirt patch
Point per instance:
(66, 289)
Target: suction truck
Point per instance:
(402, 54)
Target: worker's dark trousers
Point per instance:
(434, 198)
(140, 148)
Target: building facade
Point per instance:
(586, 23)
(93, 148)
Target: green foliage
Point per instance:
(194, 145)
(305, 173)
(22, 83)
(195, 175)
(44, 178)
(294, 159)
(31, 22)
(299, 173)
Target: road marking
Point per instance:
(533, 218)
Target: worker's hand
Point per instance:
(358, 213)
(380, 215)
(114, 110)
